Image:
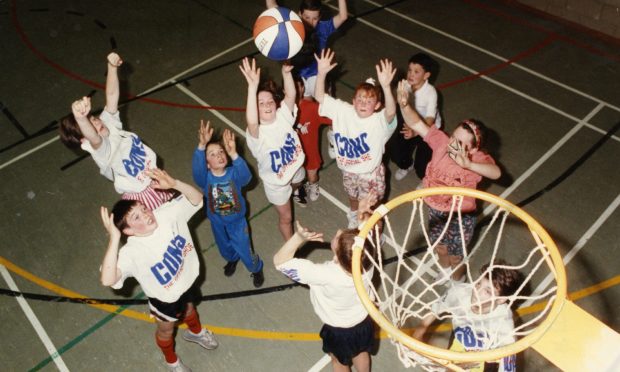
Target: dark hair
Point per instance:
(121, 210)
(372, 89)
(424, 60)
(310, 5)
(505, 280)
(271, 87)
(344, 250)
(70, 133)
(476, 129)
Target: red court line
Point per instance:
(533, 26)
(64, 71)
(518, 57)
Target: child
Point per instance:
(122, 157)
(457, 160)
(160, 254)
(420, 70)
(308, 125)
(360, 131)
(348, 334)
(225, 203)
(481, 316)
(273, 141)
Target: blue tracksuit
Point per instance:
(225, 208)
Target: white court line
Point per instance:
(320, 364)
(577, 247)
(34, 321)
(172, 79)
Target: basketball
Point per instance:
(278, 33)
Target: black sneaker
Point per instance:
(258, 278)
(230, 268)
(299, 197)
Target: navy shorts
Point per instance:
(346, 343)
(173, 311)
(452, 238)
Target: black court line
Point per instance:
(13, 120)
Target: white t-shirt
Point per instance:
(165, 263)
(277, 148)
(474, 331)
(122, 157)
(426, 103)
(332, 291)
(360, 143)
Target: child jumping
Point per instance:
(481, 316)
(162, 257)
(458, 160)
(272, 139)
(122, 157)
(360, 131)
(226, 209)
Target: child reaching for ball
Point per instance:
(360, 130)
(122, 157)
(458, 160)
(273, 141)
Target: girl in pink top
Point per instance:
(458, 160)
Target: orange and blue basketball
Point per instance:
(278, 33)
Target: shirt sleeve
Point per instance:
(436, 138)
(111, 119)
(303, 271)
(126, 266)
(182, 208)
(242, 174)
(102, 156)
(329, 107)
(199, 168)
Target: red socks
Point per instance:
(167, 347)
(192, 321)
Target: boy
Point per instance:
(481, 316)
(226, 207)
(420, 69)
(160, 254)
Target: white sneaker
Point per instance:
(178, 366)
(352, 218)
(312, 191)
(205, 338)
(331, 150)
(402, 173)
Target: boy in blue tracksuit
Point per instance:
(225, 205)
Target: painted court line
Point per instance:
(47, 342)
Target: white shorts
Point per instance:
(309, 85)
(280, 194)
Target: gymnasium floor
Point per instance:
(549, 93)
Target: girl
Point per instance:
(457, 161)
(122, 157)
(360, 131)
(273, 141)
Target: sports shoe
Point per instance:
(205, 338)
(299, 197)
(312, 191)
(178, 366)
(352, 218)
(402, 173)
(331, 150)
(230, 268)
(258, 278)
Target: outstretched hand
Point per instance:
(251, 72)
(324, 61)
(408, 133)
(81, 107)
(459, 154)
(161, 179)
(108, 223)
(114, 60)
(385, 72)
(229, 143)
(308, 235)
(287, 67)
(365, 205)
(205, 132)
(402, 94)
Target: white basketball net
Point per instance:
(412, 282)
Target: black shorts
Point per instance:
(173, 311)
(346, 343)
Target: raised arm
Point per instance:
(420, 330)
(343, 13)
(324, 66)
(164, 181)
(81, 109)
(252, 76)
(289, 86)
(112, 90)
(199, 164)
(271, 4)
(301, 236)
(461, 156)
(385, 74)
(411, 117)
(110, 273)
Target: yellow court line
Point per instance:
(272, 335)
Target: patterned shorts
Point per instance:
(452, 238)
(150, 197)
(358, 185)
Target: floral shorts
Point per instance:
(358, 185)
(452, 238)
